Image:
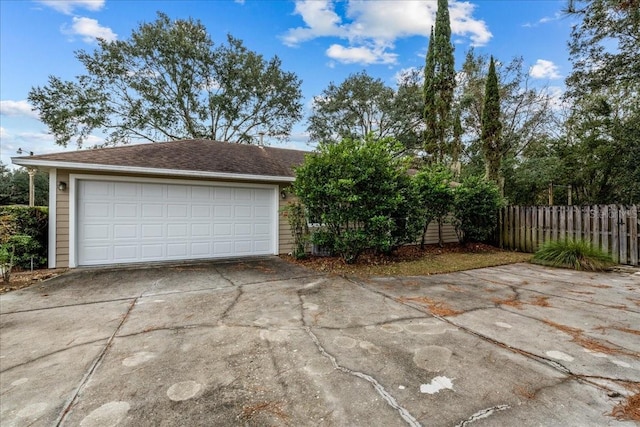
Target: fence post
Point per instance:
(563, 223)
(624, 234)
(595, 215)
(540, 225)
(633, 235)
(614, 226)
(604, 234)
(577, 231)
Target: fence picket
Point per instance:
(604, 234)
(633, 235)
(615, 229)
(595, 216)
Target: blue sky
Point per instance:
(322, 41)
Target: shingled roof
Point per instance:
(209, 157)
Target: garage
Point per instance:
(119, 221)
(169, 201)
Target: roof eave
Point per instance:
(38, 163)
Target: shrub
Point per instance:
(299, 228)
(28, 221)
(475, 209)
(360, 193)
(576, 254)
(436, 196)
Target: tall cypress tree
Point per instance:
(430, 137)
(439, 84)
(491, 134)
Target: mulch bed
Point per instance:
(23, 279)
(402, 254)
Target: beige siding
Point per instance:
(62, 213)
(284, 234)
(62, 222)
(448, 233)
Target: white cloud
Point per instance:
(89, 29)
(544, 20)
(544, 69)
(321, 20)
(360, 55)
(17, 108)
(67, 6)
(374, 26)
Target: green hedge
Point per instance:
(30, 221)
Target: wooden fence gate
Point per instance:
(614, 228)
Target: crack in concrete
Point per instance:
(31, 310)
(386, 396)
(62, 350)
(94, 366)
(547, 293)
(483, 414)
(227, 310)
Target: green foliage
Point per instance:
(491, 134)
(25, 221)
(14, 187)
(362, 105)
(8, 249)
(360, 193)
(601, 151)
(609, 36)
(168, 82)
(526, 112)
(575, 254)
(439, 85)
(475, 210)
(435, 195)
(297, 218)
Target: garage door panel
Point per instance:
(97, 210)
(122, 222)
(222, 193)
(125, 210)
(125, 189)
(152, 210)
(125, 231)
(200, 230)
(178, 192)
(177, 230)
(125, 253)
(222, 249)
(224, 211)
(200, 211)
(96, 231)
(151, 231)
(243, 246)
(177, 211)
(242, 211)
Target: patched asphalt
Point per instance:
(264, 342)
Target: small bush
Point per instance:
(575, 254)
(475, 210)
(28, 221)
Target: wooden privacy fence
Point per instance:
(614, 228)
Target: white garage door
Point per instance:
(124, 222)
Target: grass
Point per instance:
(432, 261)
(575, 254)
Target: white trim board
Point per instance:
(148, 171)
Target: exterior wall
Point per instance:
(285, 238)
(448, 233)
(62, 222)
(62, 211)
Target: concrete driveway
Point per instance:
(263, 342)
